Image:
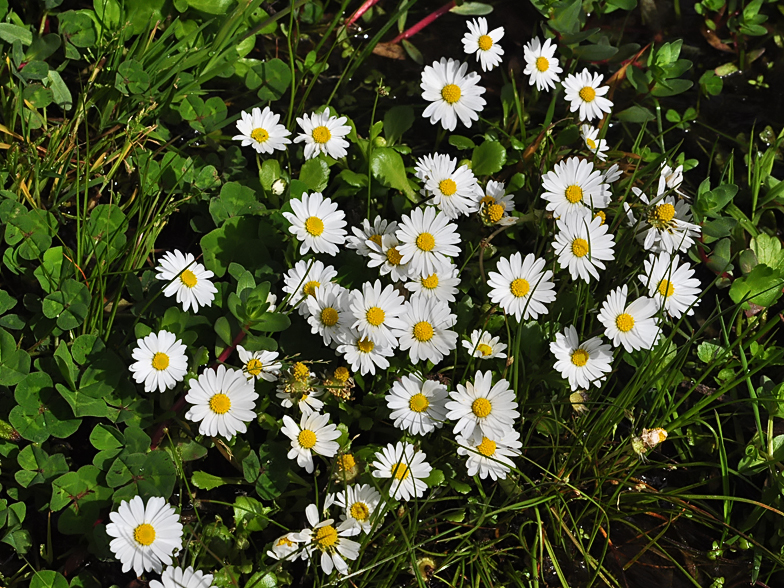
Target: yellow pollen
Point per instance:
(484, 349)
(400, 471)
(375, 316)
(425, 242)
(451, 93)
(447, 187)
(329, 316)
(487, 201)
(314, 226)
(418, 402)
(666, 288)
(423, 331)
(321, 134)
(485, 42)
(285, 541)
(542, 64)
(580, 357)
(310, 287)
(365, 345)
(220, 403)
(144, 534)
(393, 256)
(259, 135)
(574, 194)
(591, 143)
(346, 462)
(519, 287)
(481, 407)
(495, 213)
(588, 94)
(254, 367)
(341, 374)
(486, 447)
(430, 282)
(306, 438)
(325, 537)
(359, 511)
(160, 361)
(602, 216)
(624, 322)
(300, 371)
(188, 278)
(376, 239)
(580, 247)
(665, 212)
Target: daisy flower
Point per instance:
(496, 205)
(582, 244)
(426, 331)
(671, 179)
(427, 240)
(582, 364)
(612, 174)
(595, 145)
(441, 284)
(333, 543)
(259, 364)
(484, 346)
(388, 259)
(323, 133)
(368, 232)
(670, 284)
(223, 402)
(160, 361)
(520, 286)
(585, 93)
(451, 93)
(376, 312)
(358, 504)
(314, 434)
(485, 44)
(329, 312)
(574, 185)
(541, 65)
(188, 280)
(489, 456)
(144, 537)
(301, 388)
(667, 225)
(318, 223)
(482, 406)
(302, 280)
(406, 467)
(363, 355)
(454, 190)
(260, 129)
(632, 326)
(285, 546)
(174, 577)
(418, 406)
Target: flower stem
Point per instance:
(367, 5)
(410, 32)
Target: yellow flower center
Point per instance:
(329, 316)
(325, 537)
(375, 316)
(314, 226)
(580, 357)
(487, 201)
(574, 194)
(259, 135)
(664, 213)
(321, 134)
(376, 239)
(481, 407)
(346, 462)
(591, 143)
(341, 374)
(285, 541)
(430, 282)
(160, 361)
(423, 331)
(306, 438)
(588, 94)
(519, 287)
(542, 64)
(400, 471)
(393, 256)
(360, 511)
(601, 214)
(425, 242)
(486, 447)
(254, 367)
(220, 403)
(418, 402)
(447, 187)
(624, 322)
(495, 213)
(188, 278)
(580, 247)
(451, 93)
(485, 42)
(310, 287)
(365, 345)
(300, 371)
(666, 288)
(144, 534)
(484, 349)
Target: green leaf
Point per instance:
(262, 580)
(106, 228)
(37, 95)
(48, 579)
(77, 28)
(7, 302)
(387, 167)
(38, 466)
(237, 240)
(397, 121)
(315, 173)
(436, 478)
(272, 78)
(69, 305)
(708, 352)
(11, 33)
(635, 114)
(216, 7)
(234, 200)
(472, 9)
(60, 92)
(50, 272)
(599, 52)
(250, 514)
(488, 158)
(716, 229)
(462, 143)
(106, 437)
(761, 287)
(711, 202)
(14, 363)
(206, 481)
(566, 16)
(768, 251)
(83, 494)
(131, 78)
(670, 87)
(31, 230)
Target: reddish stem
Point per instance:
(423, 23)
(367, 5)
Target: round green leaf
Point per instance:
(488, 158)
(14, 363)
(48, 579)
(272, 77)
(131, 77)
(69, 305)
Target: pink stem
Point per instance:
(423, 23)
(367, 5)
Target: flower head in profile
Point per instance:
(175, 577)
(597, 146)
(541, 65)
(452, 94)
(317, 223)
(223, 402)
(188, 280)
(522, 287)
(483, 345)
(495, 206)
(314, 434)
(406, 467)
(160, 361)
(586, 94)
(489, 456)
(287, 547)
(634, 325)
(259, 364)
(418, 406)
(261, 130)
(483, 406)
(323, 133)
(483, 43)
(332, 542)
(367, 232)
(584, 363)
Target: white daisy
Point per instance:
(388, 259)
(454, 190)
(585, 93)
(483, 406)
(368, 232)
(359, 503)
(633, 326)
(144, 537)
(425, 332)
(612, 174)
(333, 543)
(541, 64)
(363, 355)
(451, 93)
(520, 286)
(595, 145)
(318, 223)
(496, 205)
(160, 361)
(671, 179)
(582, 364)
(582, 244)
(418, 406)
(285, 547)
(427, 240)
(485, 44)
(260, 129)
(441, 284)
(174, 577)
(302, 280)
(489, 456)
(406, 467)
(314, 434)
(329, 312)
(670, 284)
(259, 364)
(188, 280)
(223, 402)
(323, 134)
(574, 185)
(484, 346)
(376, 312)
(666, 226)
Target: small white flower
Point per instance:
(376, 312)
(451, 93)
(285, 547)
(484, 346)
(302, 280)
(406, 467)
(388, 259)
(441, 284)
(363, 355)
(574, 185)
(300, 388)
(521, 287)
(597, 146)
(188, 280)
(489, 456)
(314, 434)
(359, 503)
(586, 94)
(670, 284)
(427, 240)
(485, 44)
(329, 312)
(223, 402)
(582, 244)
(454, 190)
(368, 232)
(496, 205)
(323, 134)
(426, 332)
(541, 64)
(482, 406)
(633, 326)
(332, 542)
(260, 129)
(612, 174)
(144, 537)
(667, 225)
(160, 361)
(671, 179)
(259, 364)
(174, 577)
(318, 223)
(418, 406)
(582, 364)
